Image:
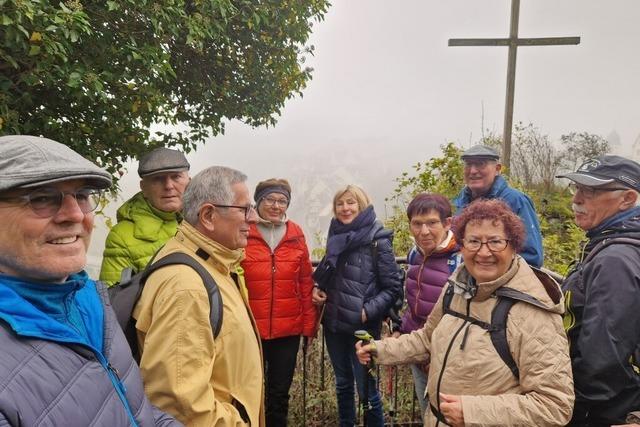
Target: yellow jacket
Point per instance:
(186, 373)
(491, 395)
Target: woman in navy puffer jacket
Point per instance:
(358, 281)
(431, 261)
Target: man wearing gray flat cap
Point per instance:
(483, 180)
(149, 218)
(64, 360)
(602, 292)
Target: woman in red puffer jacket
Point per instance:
(278, 277)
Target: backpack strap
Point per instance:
(497, 328)
(215, 299)
(608, 242)
(499, 332)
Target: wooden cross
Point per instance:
(513, 42)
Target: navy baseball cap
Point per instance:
(605, 170)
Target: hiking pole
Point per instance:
(304, 380)
(392, 382)
(366, 338)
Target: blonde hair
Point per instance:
(358, 193)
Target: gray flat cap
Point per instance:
(29, 161)
(162, 160)
(480, 152)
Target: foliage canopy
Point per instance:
(97, 75)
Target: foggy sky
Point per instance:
(387, 91)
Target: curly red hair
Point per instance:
(493, 210)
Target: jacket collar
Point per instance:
(28, 318)
(222, 258)
(520, 282)
(466, 285)
(147, 220)
(498, 186)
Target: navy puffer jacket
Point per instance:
(354, 285)
(48, 383)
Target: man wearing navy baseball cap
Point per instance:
(603, 292)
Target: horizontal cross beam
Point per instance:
(540, 41)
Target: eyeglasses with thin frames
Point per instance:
(431, 225)
(494, 245)
(45, 202)
(281, 203)
(590, 192)
(247, 209)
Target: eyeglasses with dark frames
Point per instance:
(247, 209)
(590, 192)
(45, 202)
(494, 245)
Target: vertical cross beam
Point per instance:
(511, 83)
(513, 42)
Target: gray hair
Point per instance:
(210, 185)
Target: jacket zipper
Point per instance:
(273, 290)
(118, 385)
(446, 358)
(415, 310)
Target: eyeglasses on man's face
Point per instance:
(494, 245)
(590, 192)
(247, 208)
(45, 202)
(270, 202)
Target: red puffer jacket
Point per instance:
(280, 284)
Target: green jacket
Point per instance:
(141, 230)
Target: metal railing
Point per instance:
(313, 400)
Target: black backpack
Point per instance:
(125, 295)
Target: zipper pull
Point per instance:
(115, 372)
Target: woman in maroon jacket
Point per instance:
(278, 277)
(431, 261)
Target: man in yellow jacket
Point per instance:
(200, 380)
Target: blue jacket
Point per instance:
(602, 294)
(357, 283)
(522, 205)
(54, 374)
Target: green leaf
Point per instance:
(34, 50)
(5, 20)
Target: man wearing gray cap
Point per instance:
(63, 359)
(602, 292)
(151, 217)
(483, 180)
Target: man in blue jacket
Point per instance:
(602, 292)
(483, 180)
(63, 359)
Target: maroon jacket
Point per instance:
(424, 283)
